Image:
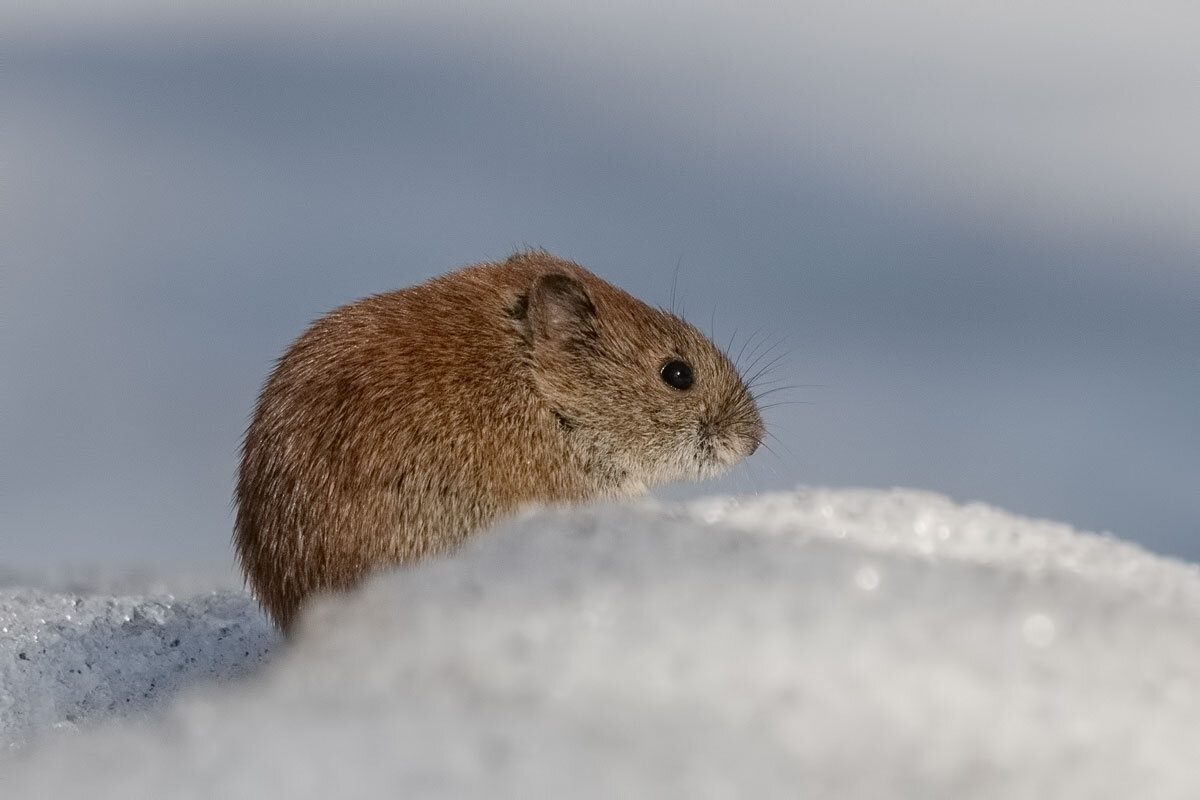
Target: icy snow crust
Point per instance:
(848, 644)
(67, 659)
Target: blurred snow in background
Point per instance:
(973, 229)
(819, 643)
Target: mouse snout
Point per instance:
(736, 437)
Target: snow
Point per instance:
(68, 658)
(827, 643)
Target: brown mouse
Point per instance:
(397, 426)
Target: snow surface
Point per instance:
(851, 644)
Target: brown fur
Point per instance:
(397, 426)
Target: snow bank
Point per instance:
(825, 643)
(70, 656)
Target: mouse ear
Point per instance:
(559, 310)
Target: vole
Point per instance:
(399, 425)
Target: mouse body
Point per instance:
(399, 425)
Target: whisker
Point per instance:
(758, 359)
(768, 366)
(675, 280)
(771, 383)
(760, 395)
(775, 385)
(762, 355)
(737, 361)
(782, 444)
(729, 345)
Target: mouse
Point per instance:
(400, 425)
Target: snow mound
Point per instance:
(821, 643)
(69, 658)
(932, 527)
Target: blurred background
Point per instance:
(972, 232)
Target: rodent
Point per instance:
(397, 426)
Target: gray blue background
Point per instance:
(972, 234)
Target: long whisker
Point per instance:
(782, 444)
(765, 369)
(760, 395)
(765, 354)
(769, 449)
(772, 384)
(729, 345)
(737, 361)
(757, 358)
(675, 280)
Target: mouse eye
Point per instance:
(677, 374)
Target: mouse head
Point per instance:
(642, 397)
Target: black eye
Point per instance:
(677, 374)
